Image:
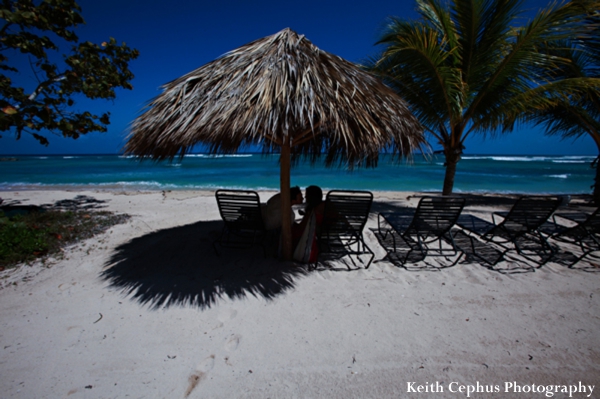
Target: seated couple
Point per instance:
(304, 233)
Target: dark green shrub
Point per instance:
(20, 242)
(29, 235)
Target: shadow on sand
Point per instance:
(78, 203)
(178, 267)
(478, 251)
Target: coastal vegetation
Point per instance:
(469, 67)
(27, 234)
(33, 36)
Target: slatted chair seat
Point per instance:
(428, 232)
(519, 230)
(344, 217)
(243, 222)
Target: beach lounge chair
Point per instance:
(517, 230)
(583, 233)
(341, 233)
(243, 222)
(428, 232)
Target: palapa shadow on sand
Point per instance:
(178, 267)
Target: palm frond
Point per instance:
(439, 18)
(524, 65)
(484, 31)
(415, 63)
(532, 104)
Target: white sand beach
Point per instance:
(148, 310)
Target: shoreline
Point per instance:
(378, 195)
(111, 188)
(148, 309)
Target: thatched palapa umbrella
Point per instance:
(285, 95)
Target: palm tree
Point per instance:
(465, 69)
(578, 114)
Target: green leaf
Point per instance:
(96, 71)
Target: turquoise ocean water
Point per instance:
(484, 173)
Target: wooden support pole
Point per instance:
(286, 207)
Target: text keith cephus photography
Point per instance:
(507, 387)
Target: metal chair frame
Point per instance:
(585, 234)
(519, 228)
(345, 215)
(431, 223)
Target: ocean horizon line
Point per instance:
(274, 154)
(480, 173)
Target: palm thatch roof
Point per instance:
(276, 88)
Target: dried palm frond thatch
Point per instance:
(285, 95)
(278, 86)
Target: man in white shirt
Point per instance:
(271, 211)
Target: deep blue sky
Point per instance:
(176, 37)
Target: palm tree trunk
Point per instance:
(449, 178)
(452, 158)
(596, 193)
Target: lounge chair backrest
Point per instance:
(588, 227)
(346, 211)
(592, 223)
(530, 212)
(435, 216)
(240, 209)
